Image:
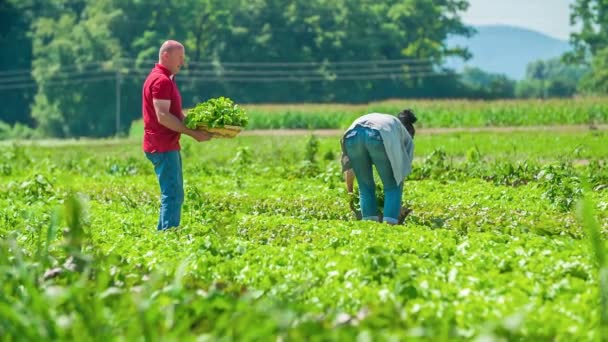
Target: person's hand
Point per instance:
(199, 135)
(403, 213)
(352, 203)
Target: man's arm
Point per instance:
(349, 178)
(170, 121)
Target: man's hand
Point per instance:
(403, 213)
(349, 179)
(198, 135)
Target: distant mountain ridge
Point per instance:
(507, 49)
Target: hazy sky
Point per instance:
(551, 17)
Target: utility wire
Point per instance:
(17, 75)
(57, 83)
(58, 76)
(61, 68)
(227, 76)
(312, 78)
(226, 73)
(301, 64)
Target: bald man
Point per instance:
(163, 126)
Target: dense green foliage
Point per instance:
(484, 85)
(82, 53)
(15, 63)
(550, 79)
(591, 42)
(216, 113)
(66, 62)
(269, 248)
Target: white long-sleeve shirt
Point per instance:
(398, 143)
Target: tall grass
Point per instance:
(431, 113)
(587, 217)
(440, 113)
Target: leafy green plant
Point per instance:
(354, 199)
(561, 184)
(312, 148)
(241, 163)
(216, 112)
(277, 255)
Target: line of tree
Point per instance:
(544, 79)
(64, 62)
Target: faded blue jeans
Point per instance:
(364, 147)
(168, 169)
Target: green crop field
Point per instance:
(495, 248)
(442, 113)
(435, 113)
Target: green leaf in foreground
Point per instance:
(216, 112)
(587, 218)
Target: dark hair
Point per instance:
(408, 118)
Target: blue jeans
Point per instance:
(168, 169)
(364, 147)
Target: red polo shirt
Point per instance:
(161, 86)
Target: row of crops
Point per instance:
(496, 247)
